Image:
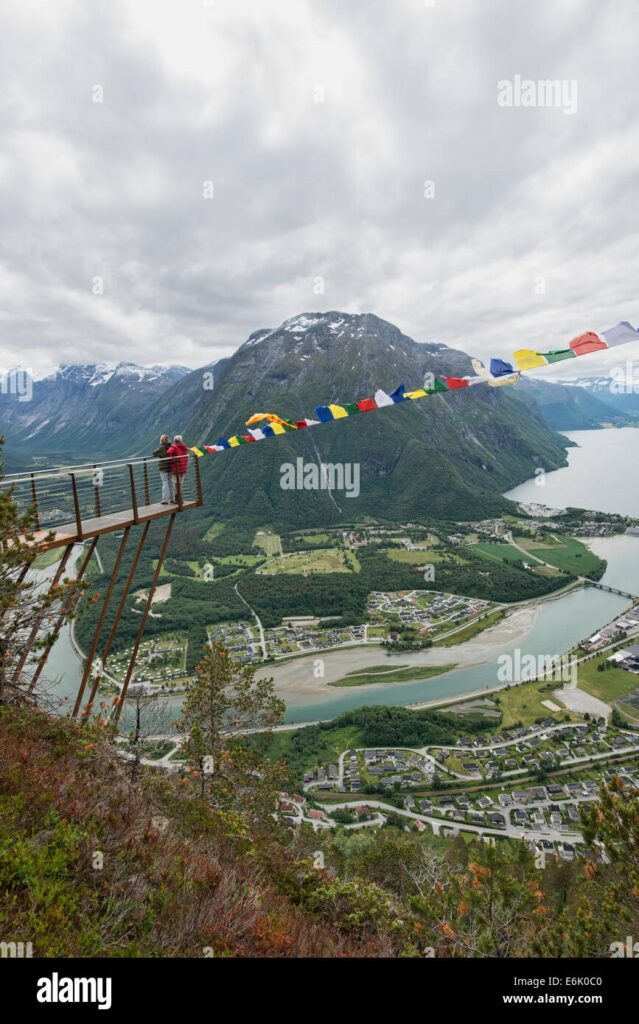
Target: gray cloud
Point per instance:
(228, 92)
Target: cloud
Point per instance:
(315, 125)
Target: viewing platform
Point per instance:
(76, 503)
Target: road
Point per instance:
(436, 824)
(259, 623)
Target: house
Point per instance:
(555, 790)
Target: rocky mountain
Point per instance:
(82, 411)
(620, 393)
(450, 455)
(565, 405)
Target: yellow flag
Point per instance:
(196, 451)
(526, 359)
(339, 412)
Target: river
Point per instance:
(600, 476)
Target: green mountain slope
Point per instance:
(449, 455)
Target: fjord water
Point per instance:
(601, 474)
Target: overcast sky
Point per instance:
(318, 123)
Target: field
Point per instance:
(312, 538)
(318, 747)
(247, 560)
(609, 685)
(47, 558)
(468, 632)
(499, 552)
(213, 531)
(413, 557)
(381, 674)
(523, 703)
(269, 542)
(322, 560)
(564, 553)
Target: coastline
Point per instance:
(296, 679)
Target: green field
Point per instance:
(247, 560)
(379, 674)
(468, 632)
(324, 747)
(47, 558)
(214, 531)
(313, 538)
(499, 552)
(269, 542)
(566, 553)
(609, 685)
(322, 560)
(523, 703)
(412, 557)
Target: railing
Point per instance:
(80, 499)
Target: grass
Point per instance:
(398, 675)
(609, 685)
(239, 559)
(269, 542)
(325, 748)
(499, 552)
(523, 703)
(412, 557)
(468, 632)
(565, 553)
(47, 558)
(213, 531)
(322, 560)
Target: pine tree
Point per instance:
(224, 704)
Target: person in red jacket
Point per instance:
(179, 455)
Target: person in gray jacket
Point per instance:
(164, 465)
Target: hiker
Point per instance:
(179, 462)
(164, 465)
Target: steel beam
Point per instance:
(36, 626)
(116, 622)
(145, 616)
(88, 664)
(64, 614)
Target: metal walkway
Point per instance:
(79, 504)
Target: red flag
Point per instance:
(585, 343)
(366, 405)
